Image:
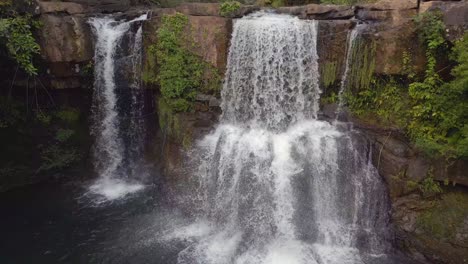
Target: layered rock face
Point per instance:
(67, 49)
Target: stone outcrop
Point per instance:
(210, 36)
(315, 11)
(430, 228)
(455, 16)
(62, 7)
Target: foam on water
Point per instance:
(275, 184)
(116, 159)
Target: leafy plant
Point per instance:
(16, 35)
(180, 73)
(64, 135)
(68, 115)
(434, 114)
(445, 217)
(229, 7)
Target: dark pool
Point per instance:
(55, 223)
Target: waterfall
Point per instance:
(118, 132)
(255, 89)
(276, 185)
(352, 35)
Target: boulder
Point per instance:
(61, 7)
(65, 38)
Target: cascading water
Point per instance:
(119, 132)
(275, 184)
(352, 35)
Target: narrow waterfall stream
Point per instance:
(119, 132)
(276, 184)
(351, 39)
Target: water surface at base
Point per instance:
(48, 224)
(53, 223)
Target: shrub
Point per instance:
(229, 7)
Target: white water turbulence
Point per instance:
(275, 184)
(118, 132)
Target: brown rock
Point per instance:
(455, 16)
(61, 7)
(199, 9)
(315, 11)
(211, 36)
(65, 38)
(331, 47)
(391, 5)
(392, 42)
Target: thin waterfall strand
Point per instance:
(109, 152)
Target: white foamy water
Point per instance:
(275, 184)
(114, 159)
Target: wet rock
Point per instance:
(315, 11)
(65, 38)
(244, 10)
(331, 47)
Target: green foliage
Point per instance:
(385, 99)
(55, 157)
(333, 98)
(275, 3)
(68, 115)
(229, 7)
(64, 135)
(328, 73)
(180, 73)
(434, 114)
(16, 35)
(363, 64)
(37, 141)
(429, 187)
(445, 217)
(439, 111)
(43, 118)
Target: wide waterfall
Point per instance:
(276, 185)
(118, 130)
